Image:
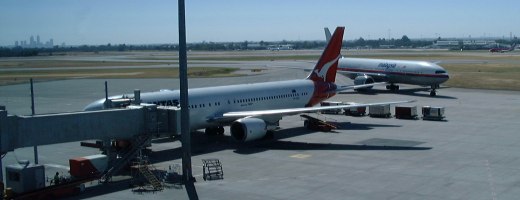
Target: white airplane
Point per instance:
(366, 71)
(254, 109)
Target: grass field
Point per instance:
(487, 71)
(484, 76)
(70, 63)
(16, 77)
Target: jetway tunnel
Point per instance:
(25, 131)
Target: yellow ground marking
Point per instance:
(300, 156)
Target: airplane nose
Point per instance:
(446, 77)
(440, 68)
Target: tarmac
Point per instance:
(472, 154)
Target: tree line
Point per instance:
(403, 42)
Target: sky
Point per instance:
(95, 22)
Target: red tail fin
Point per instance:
(325, 69)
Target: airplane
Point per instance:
(502, 50)
(253, 110)
(366, 71)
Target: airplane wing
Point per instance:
(355, 87)
(293, 111)
(378, 77)
(348, 73)
(231, 116)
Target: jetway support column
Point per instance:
(107, 148)
(3, 118)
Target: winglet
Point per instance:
(325, 69)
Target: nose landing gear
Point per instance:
(433, 92)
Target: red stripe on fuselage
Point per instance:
(395, 73)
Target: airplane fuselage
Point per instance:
(206, 103)
(252, 110)
(394, 71)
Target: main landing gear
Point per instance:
(219, 130)
(392, 87)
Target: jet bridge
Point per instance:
(104, 125)
(136, 123)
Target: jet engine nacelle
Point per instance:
(361, 80)
(248, 129)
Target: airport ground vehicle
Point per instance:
(406, 112)
(316, 124)
(433, 113)
(379, 111)
(331, 103)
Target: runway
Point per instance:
(471, 155)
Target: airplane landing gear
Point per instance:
(392, 87)
(433, 92)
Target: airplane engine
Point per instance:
(361, 80)
(248, 129)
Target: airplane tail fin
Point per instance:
(325, 69)
(327, 34)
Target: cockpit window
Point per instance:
(440, 72)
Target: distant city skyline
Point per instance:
(97, 22)
(34, 43)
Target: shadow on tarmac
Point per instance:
(288, 145)
(102, 189)
(204, 144)
(358, 126)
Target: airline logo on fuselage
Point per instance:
(387, 65)
(322, 73)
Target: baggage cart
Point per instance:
(355, 111)
(379, 111)
(433, 113)
(406, 112)
(331, 103)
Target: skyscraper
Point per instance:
(31, 41)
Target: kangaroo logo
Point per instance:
(322, 73)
